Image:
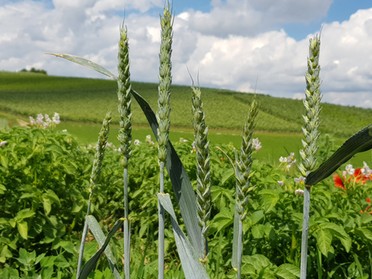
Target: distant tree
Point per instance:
(34, 70)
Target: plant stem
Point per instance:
(126, 228)
(161, 227)
(305, 232)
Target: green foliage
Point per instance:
(43, 177)
(272, 229)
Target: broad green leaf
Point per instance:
(3, 221)
(366, 218)
(366, 233)
(25, 257)
(23, 229)
(47, 205)
(191, 265)
(24, 214)
(269, 199)
(255, 217)
(258, 231)
(86, 63)
(257, 261)
(100, 238)
(91, 264)
(181, 184)
(339, 232)
(288, 271)
(324, 240)
(360, 142)
(2, 189)
(222, 219)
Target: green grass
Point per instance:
(83, 103)
(80, 99)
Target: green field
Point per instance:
(82, 104)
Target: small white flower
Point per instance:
(349, 169)
(56, 119)
(149, 140)
(136, 142)
(40, 119)
(280, 182)
(3, 143)
(299, 180)
(283, 159)
(32, 121)
(299, 192)
(366, 171)
(256, 144)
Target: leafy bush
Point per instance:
(43, 177)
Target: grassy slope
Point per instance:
(87, 100)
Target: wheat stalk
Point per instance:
(163, 115)
(125, 133)
(203, 191)
(243, 165)
(311, 136)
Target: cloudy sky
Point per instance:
(245, 45)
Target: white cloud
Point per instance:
(239, 45)
(252, 17)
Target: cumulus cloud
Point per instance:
(240, 45)
(252, 17)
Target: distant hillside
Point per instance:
(81, 99)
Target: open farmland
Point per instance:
(82, 104)
(80, 99)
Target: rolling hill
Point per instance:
(87, 100)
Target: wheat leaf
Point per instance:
(86, 63)
(180, 181)
(360, 142)
(91, 264)
(191, 265)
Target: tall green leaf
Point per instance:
(86, 63)
(191, 265)
(180, 181)
(360, 142)
(99, 236)
(92, 263)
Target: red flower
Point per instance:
(338, 182)
(368, 200)
(359, 177)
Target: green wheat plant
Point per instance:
(311, 135)
(163, 115)
(243, 165)
(203, 168)
(125, 133)
(96, 169)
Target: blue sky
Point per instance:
(242, 45)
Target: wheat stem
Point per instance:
(125, 133)
(163, 115)
(96, 169)
(311, 136)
